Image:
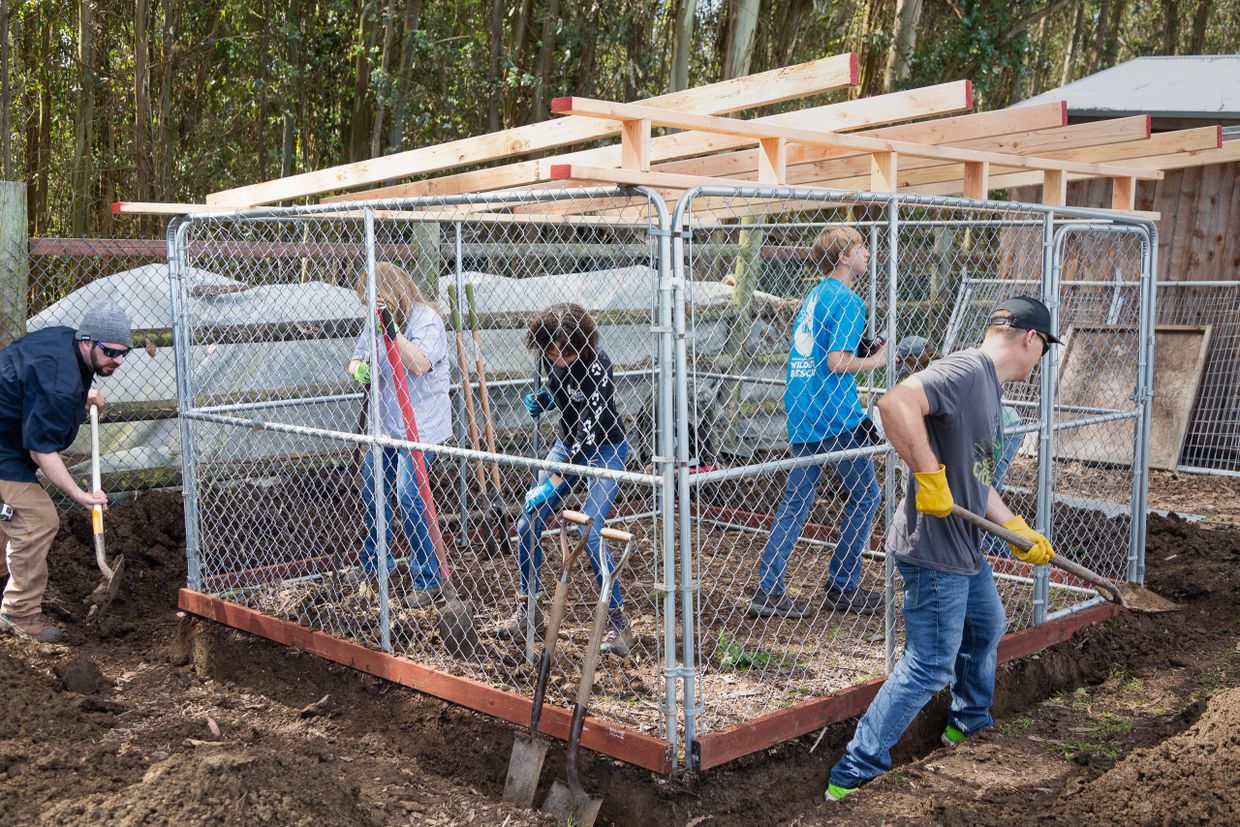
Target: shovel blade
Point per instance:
(1140, 599)
(576, 807)
(456, 629)
(524, 770)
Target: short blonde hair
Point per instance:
(396, 289)
(833, 243)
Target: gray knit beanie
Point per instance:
(105, 322)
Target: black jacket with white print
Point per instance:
(585, 395)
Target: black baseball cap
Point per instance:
(1025, 313)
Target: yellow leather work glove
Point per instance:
(933, 495)
(1040, 554)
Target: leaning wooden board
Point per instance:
(1088, 377)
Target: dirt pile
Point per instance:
(216, 785)
(1191, 778)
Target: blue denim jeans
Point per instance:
(599, 496)
(399, 473)
(952, 626)
(857, 477)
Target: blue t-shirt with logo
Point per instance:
(820, 403)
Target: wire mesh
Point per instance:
(781, 507)
(301, 474)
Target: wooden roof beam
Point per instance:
(749, 129)
(943, 98)
(734, 95)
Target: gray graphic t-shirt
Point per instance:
(965, 425)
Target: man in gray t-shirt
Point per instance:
(946, 423)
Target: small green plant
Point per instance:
(1067, 748)
(1016, 725)
(732, 656)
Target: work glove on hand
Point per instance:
(1040, 554)
(386, 324)
(539, 401)
(540, 495)
(361, 374)
(933, 495)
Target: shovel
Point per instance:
(467, 394)
(567, 800)
(528, 750)
(105, 592)
(455, 624)
(495, 496)
(1128, 595)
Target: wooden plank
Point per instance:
(777, 85)
(976, 175)
(716, 748)
(162, 208)
(1054, 187)
(608, 175)
(601, 736)
(772, 161)
(119, 247)
(913, 103)
(1123, 193)
(883, 169)
(635, 144)
(610, 110)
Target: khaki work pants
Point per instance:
(26, 538)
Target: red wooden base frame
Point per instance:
(623, 744)
(716, 748)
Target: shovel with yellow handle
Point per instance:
(105, 592)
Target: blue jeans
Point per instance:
(599, 496)
(952, 627)
(857, 477)
(399, 473)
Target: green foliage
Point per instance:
(732, 656)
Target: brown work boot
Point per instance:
(35, 627)
(514, 627)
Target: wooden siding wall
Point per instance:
(1199, 232)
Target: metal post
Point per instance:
(1145, 390)
(462, 464)
(688, 580)
(178, 295)
(666, 449)
(14, 260)
(890, 483)
(376, 452)
(1046, 456)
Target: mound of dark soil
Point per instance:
(217, 785)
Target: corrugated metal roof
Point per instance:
(1188, 86)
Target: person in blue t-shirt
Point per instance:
(45, 389)
(824, 416)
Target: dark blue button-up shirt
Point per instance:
(43, 385)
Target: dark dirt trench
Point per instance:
(1133, 721)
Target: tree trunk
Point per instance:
(40, 218)
(389, 25)
(903, 42)
(1074, 41)
(493, 54)
(739, 55)
(1171, 26)
(789, 30)
(358, 132)
(682, 45)
(6, 92)
(550, 21)
(402, 92)
(85, 117)
(521, 28)
(288, 138)
(141, 104)
(168, 57)
(1197, 40)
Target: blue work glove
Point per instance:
(538, 402)
(540, 495)
(361, 374)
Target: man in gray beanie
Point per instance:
(45, 392)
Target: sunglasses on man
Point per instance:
(113, 352)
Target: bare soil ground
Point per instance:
(1134, 721)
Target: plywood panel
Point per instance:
(1098, 371)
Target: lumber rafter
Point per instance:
(735, 95)
(941, 99)
(610, 110)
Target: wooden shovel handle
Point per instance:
(576, 517)
(616, 535)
